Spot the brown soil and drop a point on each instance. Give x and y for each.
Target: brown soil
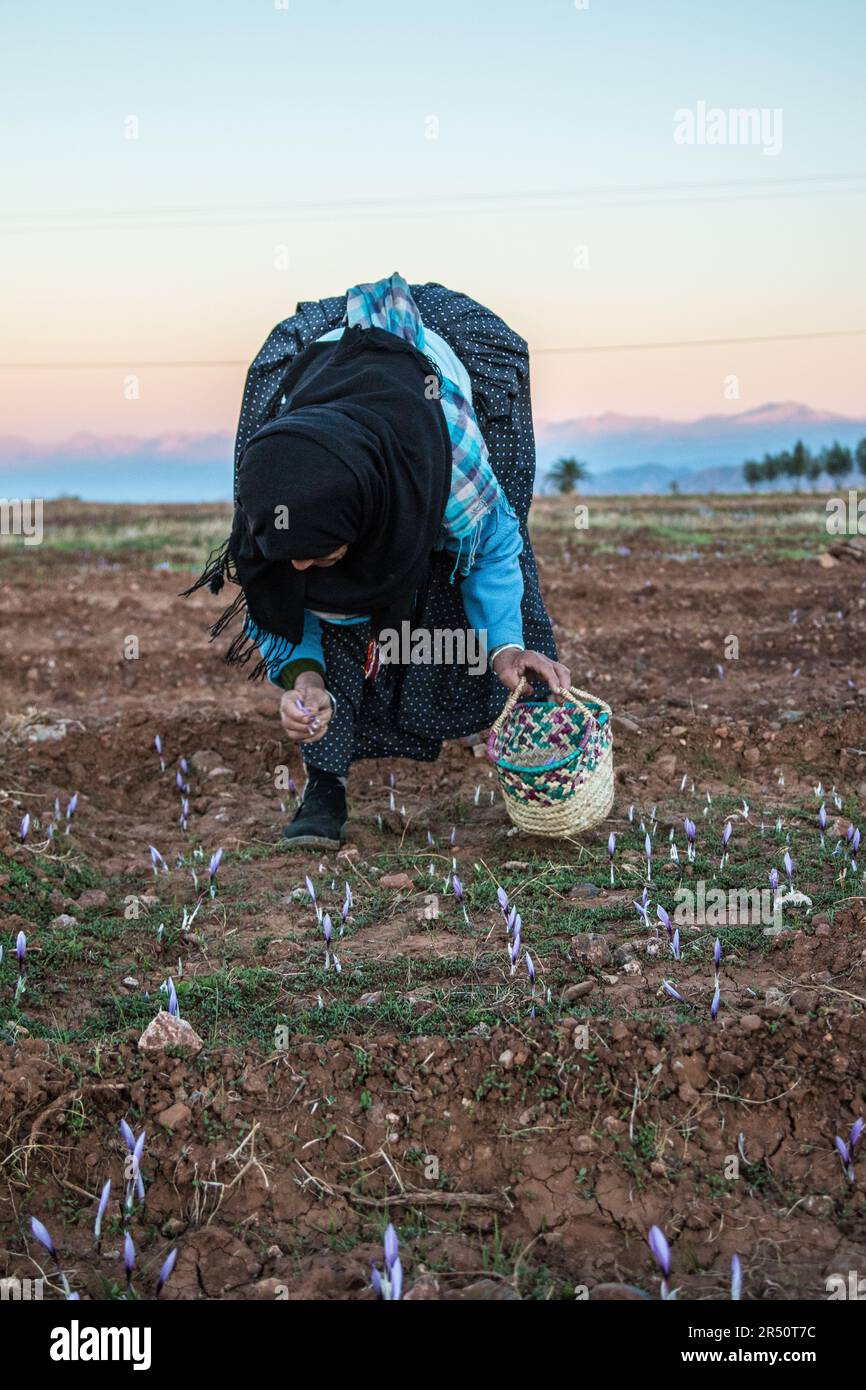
(552, 1153)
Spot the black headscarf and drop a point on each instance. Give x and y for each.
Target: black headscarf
(359, 455)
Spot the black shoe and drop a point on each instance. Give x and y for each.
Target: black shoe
(320, 818)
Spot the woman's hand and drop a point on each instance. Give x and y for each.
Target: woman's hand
(306, 711)
(512, 666)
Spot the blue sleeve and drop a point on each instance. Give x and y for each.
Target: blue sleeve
(309, 647)
(493, 589)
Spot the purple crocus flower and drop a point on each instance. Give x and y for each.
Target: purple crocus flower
(846, 1157)
(611, 851)
(172, 998)
(736, 1279)
(213, 867)
(530, 967)
(774, 880)
(675, 945)
(458, 888)
(156, 859)
(127, 1136)
(389, 1285)
(717, 953)
(128, 1255)
(856, 1131)
(661, 1250)
(24, 827)
(21, 947)
(643, 908)
(648, 850)
(327, 929)
(727, 833)
(789, 868)
(662, 1254)
(502, 898)
(665, 920)
(40, 1233)
(311, 889)
(168, 1265)
(717, 999)
(72, 806)
(672, 991)
(100, 1211)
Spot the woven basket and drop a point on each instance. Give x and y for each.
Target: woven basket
(555, 762)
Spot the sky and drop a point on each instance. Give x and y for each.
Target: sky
(176, 176)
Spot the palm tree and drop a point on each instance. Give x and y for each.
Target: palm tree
(567, 473)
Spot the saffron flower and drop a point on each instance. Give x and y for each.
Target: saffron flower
(789, 868)
(530, 968)
(40, 1233)
(717, 999)
(736, 1279)
(24, 827)
(21, 948)
(100, 1211)
(168, 1265)
(822, 822)
(156, 860)
(726, 836)
(648, 850)
(388, 1284)
(665, 920)
(460, 896)
(662, 1254)
(643, 908)
(213, 867)
(611, 850)
(128, 1255)
(675, 945)
(502, 898)
(672, 991)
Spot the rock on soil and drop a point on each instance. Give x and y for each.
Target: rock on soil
(167, 1031)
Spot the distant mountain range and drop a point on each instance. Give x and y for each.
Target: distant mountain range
(639, 453)
(625, 453)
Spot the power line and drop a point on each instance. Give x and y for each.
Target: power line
(130, 364)
(599, 195)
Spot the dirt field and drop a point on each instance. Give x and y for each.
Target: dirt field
(522, 1138)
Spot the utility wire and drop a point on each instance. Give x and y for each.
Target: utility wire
(600, 195)
(130, 364)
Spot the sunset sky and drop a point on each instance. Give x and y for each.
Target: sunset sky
(301, 134)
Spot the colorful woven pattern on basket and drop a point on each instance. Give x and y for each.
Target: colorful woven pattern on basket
(547, 749)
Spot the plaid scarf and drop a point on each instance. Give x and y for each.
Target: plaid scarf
(388, 304)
